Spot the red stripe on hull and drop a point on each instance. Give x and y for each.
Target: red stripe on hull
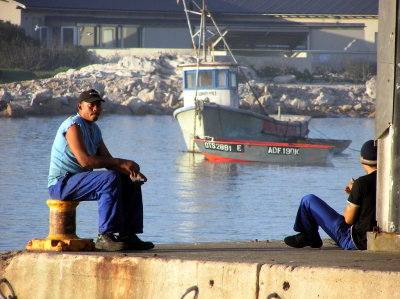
(265, 143)
(217, 159)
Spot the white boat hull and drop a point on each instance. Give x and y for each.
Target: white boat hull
(223, 122)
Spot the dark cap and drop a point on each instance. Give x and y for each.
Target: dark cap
(90, 96)
(369, 153)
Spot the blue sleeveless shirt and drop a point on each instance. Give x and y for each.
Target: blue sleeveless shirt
(62, 160)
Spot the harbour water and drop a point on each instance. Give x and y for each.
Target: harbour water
(187, 198)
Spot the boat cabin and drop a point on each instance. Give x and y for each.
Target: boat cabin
(212, 82)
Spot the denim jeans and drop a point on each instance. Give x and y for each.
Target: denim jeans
(314, 213)
(119, 200)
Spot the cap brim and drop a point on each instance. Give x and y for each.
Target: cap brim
(93, 99)
(368, 162)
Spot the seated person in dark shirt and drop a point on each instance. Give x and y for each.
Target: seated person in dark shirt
(350, 229)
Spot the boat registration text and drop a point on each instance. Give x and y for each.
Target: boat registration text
(279, 150)
(223, 147)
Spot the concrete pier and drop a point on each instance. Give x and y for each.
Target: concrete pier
(244, 270)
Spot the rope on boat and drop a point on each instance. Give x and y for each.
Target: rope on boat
(234, 59)
(2, 296)
(320, 132)
(326, 136)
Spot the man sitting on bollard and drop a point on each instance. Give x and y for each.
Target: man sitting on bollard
(350, 229)
(78, 148)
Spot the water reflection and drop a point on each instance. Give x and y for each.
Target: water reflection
(187, 198)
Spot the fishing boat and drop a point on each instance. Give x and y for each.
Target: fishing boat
(258, 151)
(211, 99)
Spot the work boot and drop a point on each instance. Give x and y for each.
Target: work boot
(108, 242)
(134, 243)
(302, 240)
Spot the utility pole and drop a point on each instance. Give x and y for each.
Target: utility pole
(387, 131)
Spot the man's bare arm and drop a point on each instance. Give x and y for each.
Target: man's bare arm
(102, 159)
(350, 213)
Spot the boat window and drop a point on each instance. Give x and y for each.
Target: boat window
(222, 79)
(205, 79)
(233, 79)
(190, 79)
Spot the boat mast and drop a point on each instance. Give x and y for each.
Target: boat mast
(191, 7)
(203, 29)
(203, 12)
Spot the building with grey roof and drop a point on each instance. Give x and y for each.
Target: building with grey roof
(304, 32)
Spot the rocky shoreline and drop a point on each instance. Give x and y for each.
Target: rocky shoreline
(152, 85)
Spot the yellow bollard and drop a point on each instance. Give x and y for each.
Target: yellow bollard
(62, 226)
(62, 219)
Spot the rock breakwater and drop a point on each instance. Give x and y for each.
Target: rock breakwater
(152, 85)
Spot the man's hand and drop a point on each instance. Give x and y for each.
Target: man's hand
(349, 186)
(140, 179)
(130, 167)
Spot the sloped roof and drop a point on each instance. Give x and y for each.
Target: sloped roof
(336, 7)
(280, 7)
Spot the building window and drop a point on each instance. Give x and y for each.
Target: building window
(42, 32)
(108, 37)
(130, 37)
(69, 37)
(87, 36)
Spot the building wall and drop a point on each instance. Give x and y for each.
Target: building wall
(172, 37)
(330, 41)
(320, 38)
(366, 36)
(9, 12)
(338, 39)
(30, 21)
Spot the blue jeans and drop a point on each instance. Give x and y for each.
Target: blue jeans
(119, 200)
(314, 213)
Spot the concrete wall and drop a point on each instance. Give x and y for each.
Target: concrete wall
(42, 275)
(302, 61)
(260, 62)
(309, 60)
(58, 275)
(142, 52)
(318, 282)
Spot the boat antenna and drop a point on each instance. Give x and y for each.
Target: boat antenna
(191, 7)
(204, 13)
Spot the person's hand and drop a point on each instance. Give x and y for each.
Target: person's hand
(139, 179)
(349, 186)
(131, 167)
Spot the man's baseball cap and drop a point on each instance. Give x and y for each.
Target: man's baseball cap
(90, 96)
(369, 153)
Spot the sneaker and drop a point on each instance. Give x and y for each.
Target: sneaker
(108, 242)
(302, 240)
(134, 243)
